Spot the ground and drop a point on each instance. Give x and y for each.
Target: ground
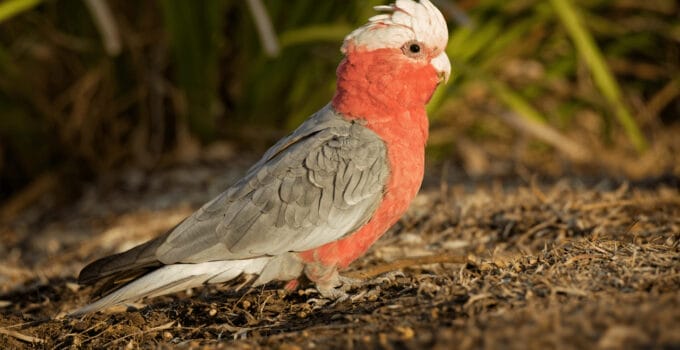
(499, 263)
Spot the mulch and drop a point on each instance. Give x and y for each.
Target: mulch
(489, 264)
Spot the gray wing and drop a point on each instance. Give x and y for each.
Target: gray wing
(313, 187)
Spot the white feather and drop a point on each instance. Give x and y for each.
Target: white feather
(174, 278)
(404, 21)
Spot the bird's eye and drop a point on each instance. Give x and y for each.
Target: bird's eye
(413, 49)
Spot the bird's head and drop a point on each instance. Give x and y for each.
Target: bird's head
(395, 60)
(414, 30)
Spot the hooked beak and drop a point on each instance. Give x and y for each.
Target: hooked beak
(442, 65)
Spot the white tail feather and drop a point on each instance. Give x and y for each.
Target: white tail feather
(174, 278)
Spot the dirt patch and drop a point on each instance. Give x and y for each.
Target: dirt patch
(558, 264)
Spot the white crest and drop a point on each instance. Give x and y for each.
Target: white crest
(403, 21)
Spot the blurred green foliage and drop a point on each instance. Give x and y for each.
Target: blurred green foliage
(193, 29)
(542, 67)
(13, 7)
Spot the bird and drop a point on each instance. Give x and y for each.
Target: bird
(319, 197)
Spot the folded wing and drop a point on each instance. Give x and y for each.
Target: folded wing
(313, 187)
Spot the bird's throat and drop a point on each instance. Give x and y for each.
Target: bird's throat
(381, 84)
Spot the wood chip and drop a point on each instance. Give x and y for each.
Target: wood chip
(22, 337)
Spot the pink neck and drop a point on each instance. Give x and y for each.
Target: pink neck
(383, 86)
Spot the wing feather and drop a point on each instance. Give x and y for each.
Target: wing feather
(317, 185)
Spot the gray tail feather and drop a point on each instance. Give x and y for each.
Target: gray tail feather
(141, 257)
(174, 278)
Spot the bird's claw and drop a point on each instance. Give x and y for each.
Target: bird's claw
(332, 286)
(337, 290)
(349, 283)
(338, 294)
(317, 302)
(328, 295)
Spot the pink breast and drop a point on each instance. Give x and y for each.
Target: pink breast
(388, 92)
(405, 151)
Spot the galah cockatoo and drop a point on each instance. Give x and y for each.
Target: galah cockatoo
(320, 197)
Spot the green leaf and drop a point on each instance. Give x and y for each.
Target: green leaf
(602, 75)
(11, 8)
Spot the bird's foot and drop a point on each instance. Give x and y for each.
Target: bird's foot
(338, 293)
(333, 287)
(337, 287)
(330, 284)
